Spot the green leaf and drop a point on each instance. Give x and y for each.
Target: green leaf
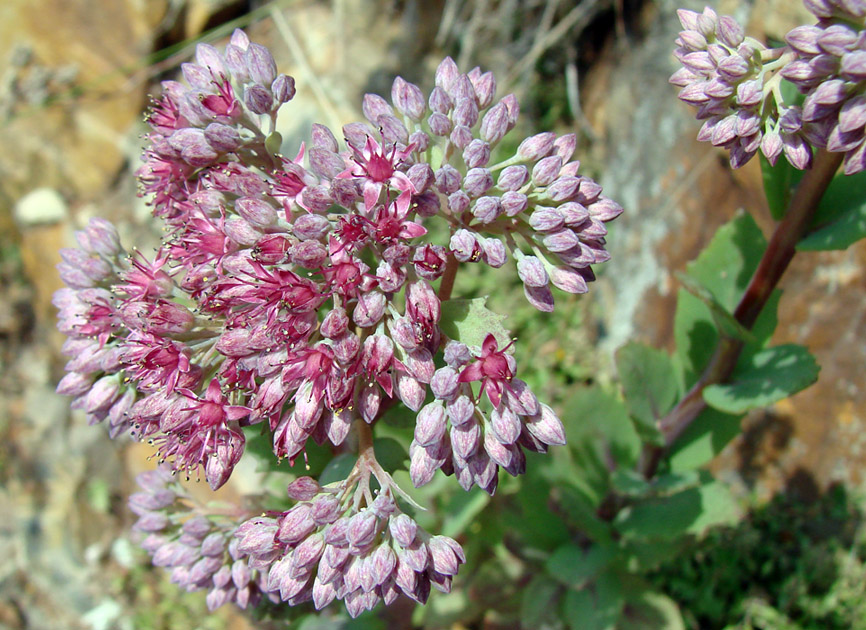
(705, 438)
(538, 599)
(779, 184)
(532, 519)
(573, 566)
(390, 454)
(728, 262)
(462, 510)
(367, 620)
(651, 611)
(672, 482)
(578, 610)
(598, 420)
(338, 468)
(692, 511)
(723, 318)
(597, 606)
(629, 482)
(649, 381)
(470, 321)
(772, 375)
(724, 269)
(581, 513)
(840, 220)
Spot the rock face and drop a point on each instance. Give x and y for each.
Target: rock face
(69, 92)
(677, 192)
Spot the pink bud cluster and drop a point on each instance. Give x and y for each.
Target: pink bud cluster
(200, 551)
(327, 547)
(733, 81)
(298, 295)
(455, 434)
(830, 70)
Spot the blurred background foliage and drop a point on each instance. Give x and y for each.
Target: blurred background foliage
(539, 556)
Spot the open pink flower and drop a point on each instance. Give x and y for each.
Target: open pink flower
(494, 368)
(376, 166)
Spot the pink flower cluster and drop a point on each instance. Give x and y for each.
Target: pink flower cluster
(734, 82)
(298, 295)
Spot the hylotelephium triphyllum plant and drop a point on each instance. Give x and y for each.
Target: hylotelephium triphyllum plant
(297, 294)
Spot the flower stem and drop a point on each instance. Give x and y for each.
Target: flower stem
(775, 261)
(447, 284)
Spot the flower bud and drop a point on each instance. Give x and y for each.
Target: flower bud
(568, 280)
(853, 65)
(421, 176)
(393, 130)
(460, 410)
(477, 182)
(261, 67)
(403, 529)
(102, 237)
(410, 391)
(485, 88)
(546, 427)
(541, 298)
(771, 146)
(837, 39)
(446, 74)
(532, 272)
(283, 88)
(461, 136)
(222, 138)
(546, 170)
(241, 232)
(465, 112)
(730, 32)
(444, 383)
(494, 252)
(258, 99)
(257, 212)
(513, 203)
(326, 163)
(505, 424)
(495, 123)
(103, 394)
(487, 209)
(476, 154)
(440, 124)
(296, 524)
(446, 556)
(458, 202)
(336, 323)
(546, 219)
(561, 240)
(192, 146)
(373, 106)
(536, 147)
(513, 178)
(420, 140)
(408, 99)
(369, 309)
(311, 227)
(309, 254)
(430, 424)
(447, 179)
